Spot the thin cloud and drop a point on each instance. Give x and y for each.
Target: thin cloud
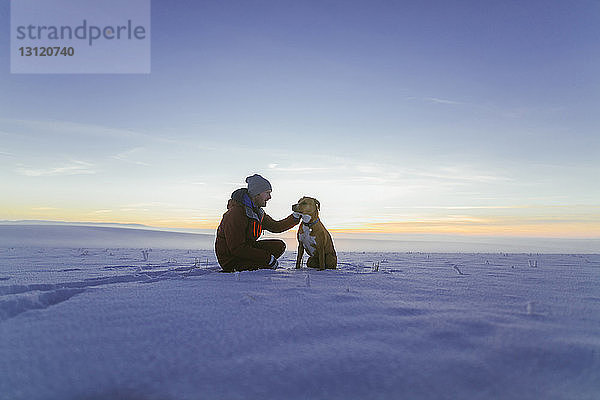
(146, 205)
(442, 101)
(456, 207)
(69, 127)
(75, 168)
(126, 156)
(297, 169)
(393, 174)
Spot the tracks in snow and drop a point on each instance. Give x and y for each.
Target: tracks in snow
(17, 299)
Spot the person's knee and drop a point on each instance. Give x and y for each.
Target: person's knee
(280, 249)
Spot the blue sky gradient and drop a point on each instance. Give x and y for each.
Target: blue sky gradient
(422, 117)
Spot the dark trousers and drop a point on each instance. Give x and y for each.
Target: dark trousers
(275, 247)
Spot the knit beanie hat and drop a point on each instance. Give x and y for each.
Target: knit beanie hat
(257, 184)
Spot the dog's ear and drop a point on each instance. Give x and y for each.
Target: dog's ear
(318, 205)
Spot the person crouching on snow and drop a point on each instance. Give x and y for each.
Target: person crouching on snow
(237, 245)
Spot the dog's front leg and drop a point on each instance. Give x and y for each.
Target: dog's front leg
(322, 264)
(300, 254)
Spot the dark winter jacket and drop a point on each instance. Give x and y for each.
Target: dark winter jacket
(241, 226)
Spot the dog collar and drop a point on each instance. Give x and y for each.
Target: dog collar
(310, 224)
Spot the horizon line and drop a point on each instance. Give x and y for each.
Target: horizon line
(342, 231)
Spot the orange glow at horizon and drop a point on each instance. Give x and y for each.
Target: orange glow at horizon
(566, 226)
(555, 230)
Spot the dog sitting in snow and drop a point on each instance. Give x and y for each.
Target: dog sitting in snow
(313, 237)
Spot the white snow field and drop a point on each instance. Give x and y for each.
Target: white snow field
(118, 323)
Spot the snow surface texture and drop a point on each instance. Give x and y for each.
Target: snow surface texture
(165, 324)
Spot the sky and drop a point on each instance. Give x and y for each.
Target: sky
(428, 117)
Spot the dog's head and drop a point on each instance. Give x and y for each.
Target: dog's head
(307, 205)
